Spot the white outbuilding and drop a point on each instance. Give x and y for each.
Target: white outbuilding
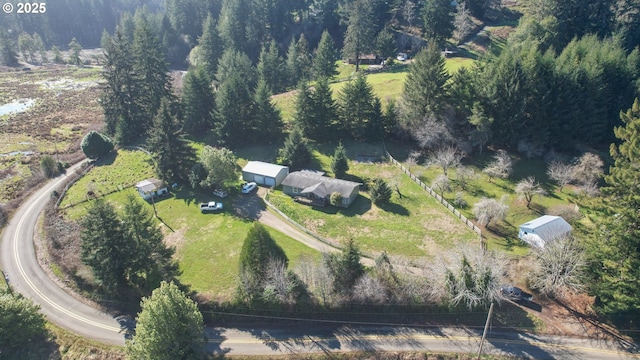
(263, 173)
(543, 229)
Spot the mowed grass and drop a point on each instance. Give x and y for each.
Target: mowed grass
(412, 226)
(207, 245)
(118, 170)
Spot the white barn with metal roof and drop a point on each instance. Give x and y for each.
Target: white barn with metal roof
(546, 228)
(263, 173)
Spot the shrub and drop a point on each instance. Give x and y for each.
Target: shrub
(50, 167)
(95, 145)
(335, 199)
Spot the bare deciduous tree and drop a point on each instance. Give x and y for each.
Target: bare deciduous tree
(486, 210)
(588, 168)
(561, 173)
(528, 188)
(446, 158)
(316, 276)
(463, 24)
(369, 290)
(500, 167)
(465, 174)
(559, 267)
(432, 133)
(408, 12)
(441, 184)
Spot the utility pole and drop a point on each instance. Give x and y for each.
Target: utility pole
(484, 333)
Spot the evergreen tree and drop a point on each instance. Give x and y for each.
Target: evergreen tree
(616, 272)
(324, 61)
(293, 68)
(95, 145)
(295, 153)
(105, 246)
(57, 56)
(271, 68)
(211, 46)
(304, 112)
(232, 24)
(267, 122)
(426, 87)
(339, 162)
(153, 261)
(258, 250)
(21, 325)
(380, 192)
(345, 268)
(358, 110)
(437, 20)
(74, 57)
(151, 68)
(8, 56)
(386, 44)
(38, 45)
(323, 124)
(25, 44)
(359, 38)
(172, 154)
(298, 61)
(122, 94)
(169, 326)
(198, 102)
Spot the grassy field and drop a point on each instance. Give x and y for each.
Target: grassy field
(208, 245)
(413, 226)
(503, 234)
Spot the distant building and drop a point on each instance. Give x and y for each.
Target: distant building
(318, 189)
(543, 229)
(263, 173)
(151, 188)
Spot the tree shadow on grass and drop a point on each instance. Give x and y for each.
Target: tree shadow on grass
(107, 160)
(359, 206)
(395, 208)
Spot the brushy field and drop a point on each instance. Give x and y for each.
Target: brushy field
(65, 107)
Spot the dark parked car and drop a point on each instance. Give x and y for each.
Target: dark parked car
(514, 293)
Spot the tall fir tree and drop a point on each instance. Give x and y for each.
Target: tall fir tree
(122, 95)
(324, 112)
(295, 153)
(359, 39)
(426, 89)
(267, 122)
(324, 60)
(304, 111)
(172, 154)
(437, 18)
(340, 162)
(358, 111)
(271, 68)
(8, 56)
(211, 46)
(616, 270)
(198, 102)
(151, 68)
(232, 24)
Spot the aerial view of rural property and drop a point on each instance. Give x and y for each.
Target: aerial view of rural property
(320, 179)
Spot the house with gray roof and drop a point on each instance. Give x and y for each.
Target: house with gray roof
(318, 189)
(151, 188)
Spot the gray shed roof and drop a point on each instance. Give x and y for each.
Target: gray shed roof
(306, 180)
(263, 168)
(150, 185)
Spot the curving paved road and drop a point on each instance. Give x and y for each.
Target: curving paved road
(18, 260)
(19, 263)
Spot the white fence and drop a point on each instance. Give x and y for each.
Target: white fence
(439, 198)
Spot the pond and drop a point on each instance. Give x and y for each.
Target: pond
(16, 106)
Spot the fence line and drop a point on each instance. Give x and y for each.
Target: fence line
(78, 176)
(437, 196)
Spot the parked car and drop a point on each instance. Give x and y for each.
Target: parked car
(220, 193)
(249, 187)
(514, 293)
(210, 206)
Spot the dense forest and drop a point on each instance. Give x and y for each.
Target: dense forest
(559, 82)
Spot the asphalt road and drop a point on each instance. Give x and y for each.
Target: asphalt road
(18, 261)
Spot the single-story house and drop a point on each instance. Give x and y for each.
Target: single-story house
(318, 188)
(263, 173)
(543, 229)
(151, 188)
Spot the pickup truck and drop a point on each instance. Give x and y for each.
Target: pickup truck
(210, 206)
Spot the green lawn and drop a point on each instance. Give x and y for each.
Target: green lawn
(208, 245)
(118, 170)
(413, 226)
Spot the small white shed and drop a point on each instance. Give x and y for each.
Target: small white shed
(263, 173)
(543, 229)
